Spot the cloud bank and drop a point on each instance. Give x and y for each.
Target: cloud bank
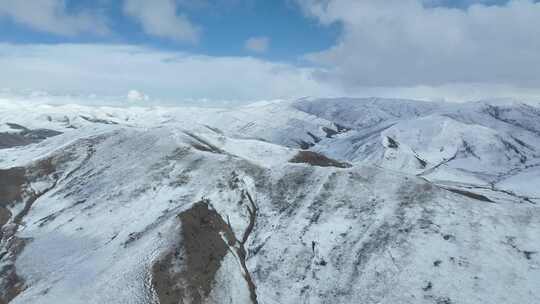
(117, 69)
(114, 70)
(409, 43)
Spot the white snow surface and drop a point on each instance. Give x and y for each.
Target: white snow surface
(440, 205)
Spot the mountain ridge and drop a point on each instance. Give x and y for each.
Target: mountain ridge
(338, 202)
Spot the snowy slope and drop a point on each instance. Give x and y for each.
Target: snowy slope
(479, 142)
(189, 205)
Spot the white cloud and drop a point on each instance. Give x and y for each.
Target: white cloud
(137, 96)
(404, 43)
(257, 44)
(51, 16)
(114, 70)
(159, 18)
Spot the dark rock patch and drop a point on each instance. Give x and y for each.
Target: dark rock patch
(469, 194)
(448, 237)
(199, 258)
(316, 139)
(528, 254)
(341, 128)
(304, 145)
(16, 126)
(24, 137)
(203, 148)
(11, 284)
(428, 287)
(443, 300)
(317, 159)
(9, 140)
(423, 163)
(11, 185)
(186, 273)
(13, 190)
(522, 143)
(468, 150)
(392, 143)
(330, 133)
(41, 134)
(203, 145)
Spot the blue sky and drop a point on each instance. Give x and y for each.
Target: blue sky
(225, 26)
(246, 50)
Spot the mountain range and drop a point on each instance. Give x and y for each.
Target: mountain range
(307, 201)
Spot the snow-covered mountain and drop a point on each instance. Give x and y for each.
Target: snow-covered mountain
(307, 201)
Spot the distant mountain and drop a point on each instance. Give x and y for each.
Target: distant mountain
(307, 201)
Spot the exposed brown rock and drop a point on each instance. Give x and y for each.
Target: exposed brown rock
(317, 159)
(186, 275)
(13, 190)
(11, 185)
(10, 283)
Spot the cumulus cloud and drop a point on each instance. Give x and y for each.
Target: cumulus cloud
(137, 96)
(159, 18)
(51, 16)
(257, 44)
(113, 70)
(406, 43)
